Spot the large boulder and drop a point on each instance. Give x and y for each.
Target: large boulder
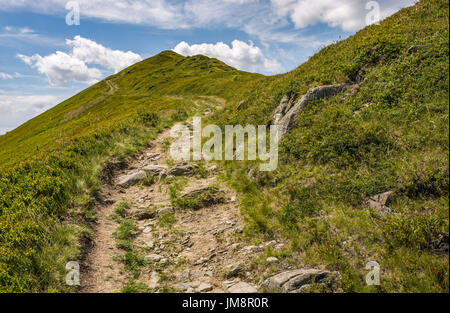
(153, 257)
(290, 281)
(107, 173)
(285, 105)
(182, 287)
(286, 113)
(204, 287)
(154, 280)
(131, 179)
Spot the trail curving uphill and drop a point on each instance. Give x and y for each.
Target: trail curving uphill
(190, 253)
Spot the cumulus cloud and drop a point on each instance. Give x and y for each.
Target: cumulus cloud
(240, 55)
(89, 51)
(61, 67)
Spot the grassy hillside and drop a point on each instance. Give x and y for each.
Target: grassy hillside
(146, 86)
(389, 133)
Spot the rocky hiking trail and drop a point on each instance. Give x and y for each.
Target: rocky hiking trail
(191, 240)
(188, 242)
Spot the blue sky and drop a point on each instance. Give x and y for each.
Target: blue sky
(43, 60)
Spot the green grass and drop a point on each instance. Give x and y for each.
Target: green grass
(194, 202)
(134, 287)
(126, 230)
(120, 210)
(334, 157)
(167, 219)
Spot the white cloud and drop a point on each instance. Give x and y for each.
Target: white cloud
(240, 55)
(17, 109)
(349, 15)
(35, 103)
(5, 76)
(89, 51)
(24, 34)
(18, 30)
(161, 13)
(177, 14)
(61, 67)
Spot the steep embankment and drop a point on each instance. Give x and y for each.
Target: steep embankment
(362, 176)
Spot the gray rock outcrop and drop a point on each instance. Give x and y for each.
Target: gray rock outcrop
(293, 280)
(182, 170)
(440, 244)
(286, 113)
(154, 170)
(131, 179)
(233, 270)
(379, 203)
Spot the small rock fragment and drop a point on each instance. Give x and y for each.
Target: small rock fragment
(242, 287)
(154, 280)
(233, 270)
(153, 257)
(204, 287)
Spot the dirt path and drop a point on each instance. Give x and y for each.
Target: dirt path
(196, 250)
(104, 272)
(77, 112)
(112, 87)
